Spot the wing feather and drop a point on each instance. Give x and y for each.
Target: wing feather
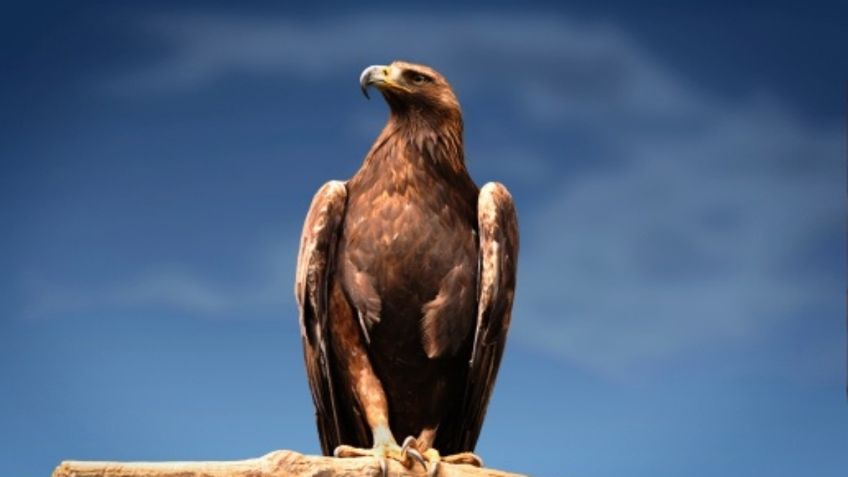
(314, 269)
(498, 235)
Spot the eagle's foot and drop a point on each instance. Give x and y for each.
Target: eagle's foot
(430, 458)
(385, 447)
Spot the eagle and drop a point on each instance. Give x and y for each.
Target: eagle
(405, 281)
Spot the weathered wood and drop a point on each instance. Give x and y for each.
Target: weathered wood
(275, 464)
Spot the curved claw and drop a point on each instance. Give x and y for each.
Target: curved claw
(410, 448)
(418, 457)
(430, 458)
(345, 451)
(407, 443)
(433, 470)
(469, 458)
(384, 466)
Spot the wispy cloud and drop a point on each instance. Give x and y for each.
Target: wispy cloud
(173, 287)
(687, 241)
(684, 234)
(203, 48)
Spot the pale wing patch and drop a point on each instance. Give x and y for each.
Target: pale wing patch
(317, 244)
(496, 222)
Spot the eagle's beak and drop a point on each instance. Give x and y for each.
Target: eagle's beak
(379, 76)
(373, 75)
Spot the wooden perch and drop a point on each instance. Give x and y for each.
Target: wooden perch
(281, 463)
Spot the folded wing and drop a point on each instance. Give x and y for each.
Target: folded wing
(315, 263)
(498, 235)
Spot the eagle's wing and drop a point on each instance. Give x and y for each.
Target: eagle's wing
(314, 271)
(498, 229)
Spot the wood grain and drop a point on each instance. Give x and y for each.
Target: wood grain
(275, 464)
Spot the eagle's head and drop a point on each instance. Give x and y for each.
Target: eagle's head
(411, 88)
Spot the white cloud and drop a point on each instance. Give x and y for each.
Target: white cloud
(683, 245)
(175, 287)
(502, 50)
(676, 245)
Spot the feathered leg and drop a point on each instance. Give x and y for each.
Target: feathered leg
(367, 389)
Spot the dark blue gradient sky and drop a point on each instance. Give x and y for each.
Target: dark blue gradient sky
(679, 173)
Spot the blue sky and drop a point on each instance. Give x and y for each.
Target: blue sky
(679, 173)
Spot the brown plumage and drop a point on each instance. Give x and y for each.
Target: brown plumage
(405, 281)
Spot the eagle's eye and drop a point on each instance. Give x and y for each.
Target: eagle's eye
(419, 79)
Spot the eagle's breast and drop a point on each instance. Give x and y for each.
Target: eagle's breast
(408, 253)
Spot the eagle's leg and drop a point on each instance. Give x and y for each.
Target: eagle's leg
(423, 451)
(348, 344)
(384, 444)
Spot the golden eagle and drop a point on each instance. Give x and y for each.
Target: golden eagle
(405, 283)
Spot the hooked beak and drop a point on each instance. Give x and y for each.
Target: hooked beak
(378, 76)
(373, 75)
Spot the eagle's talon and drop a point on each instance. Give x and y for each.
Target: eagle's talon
(384, 466)
(382, 452)
(429, 459)
(407, 443)
(434, 459)
(418, 457)
(468, 458)
(343, 451)
(410, 448)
